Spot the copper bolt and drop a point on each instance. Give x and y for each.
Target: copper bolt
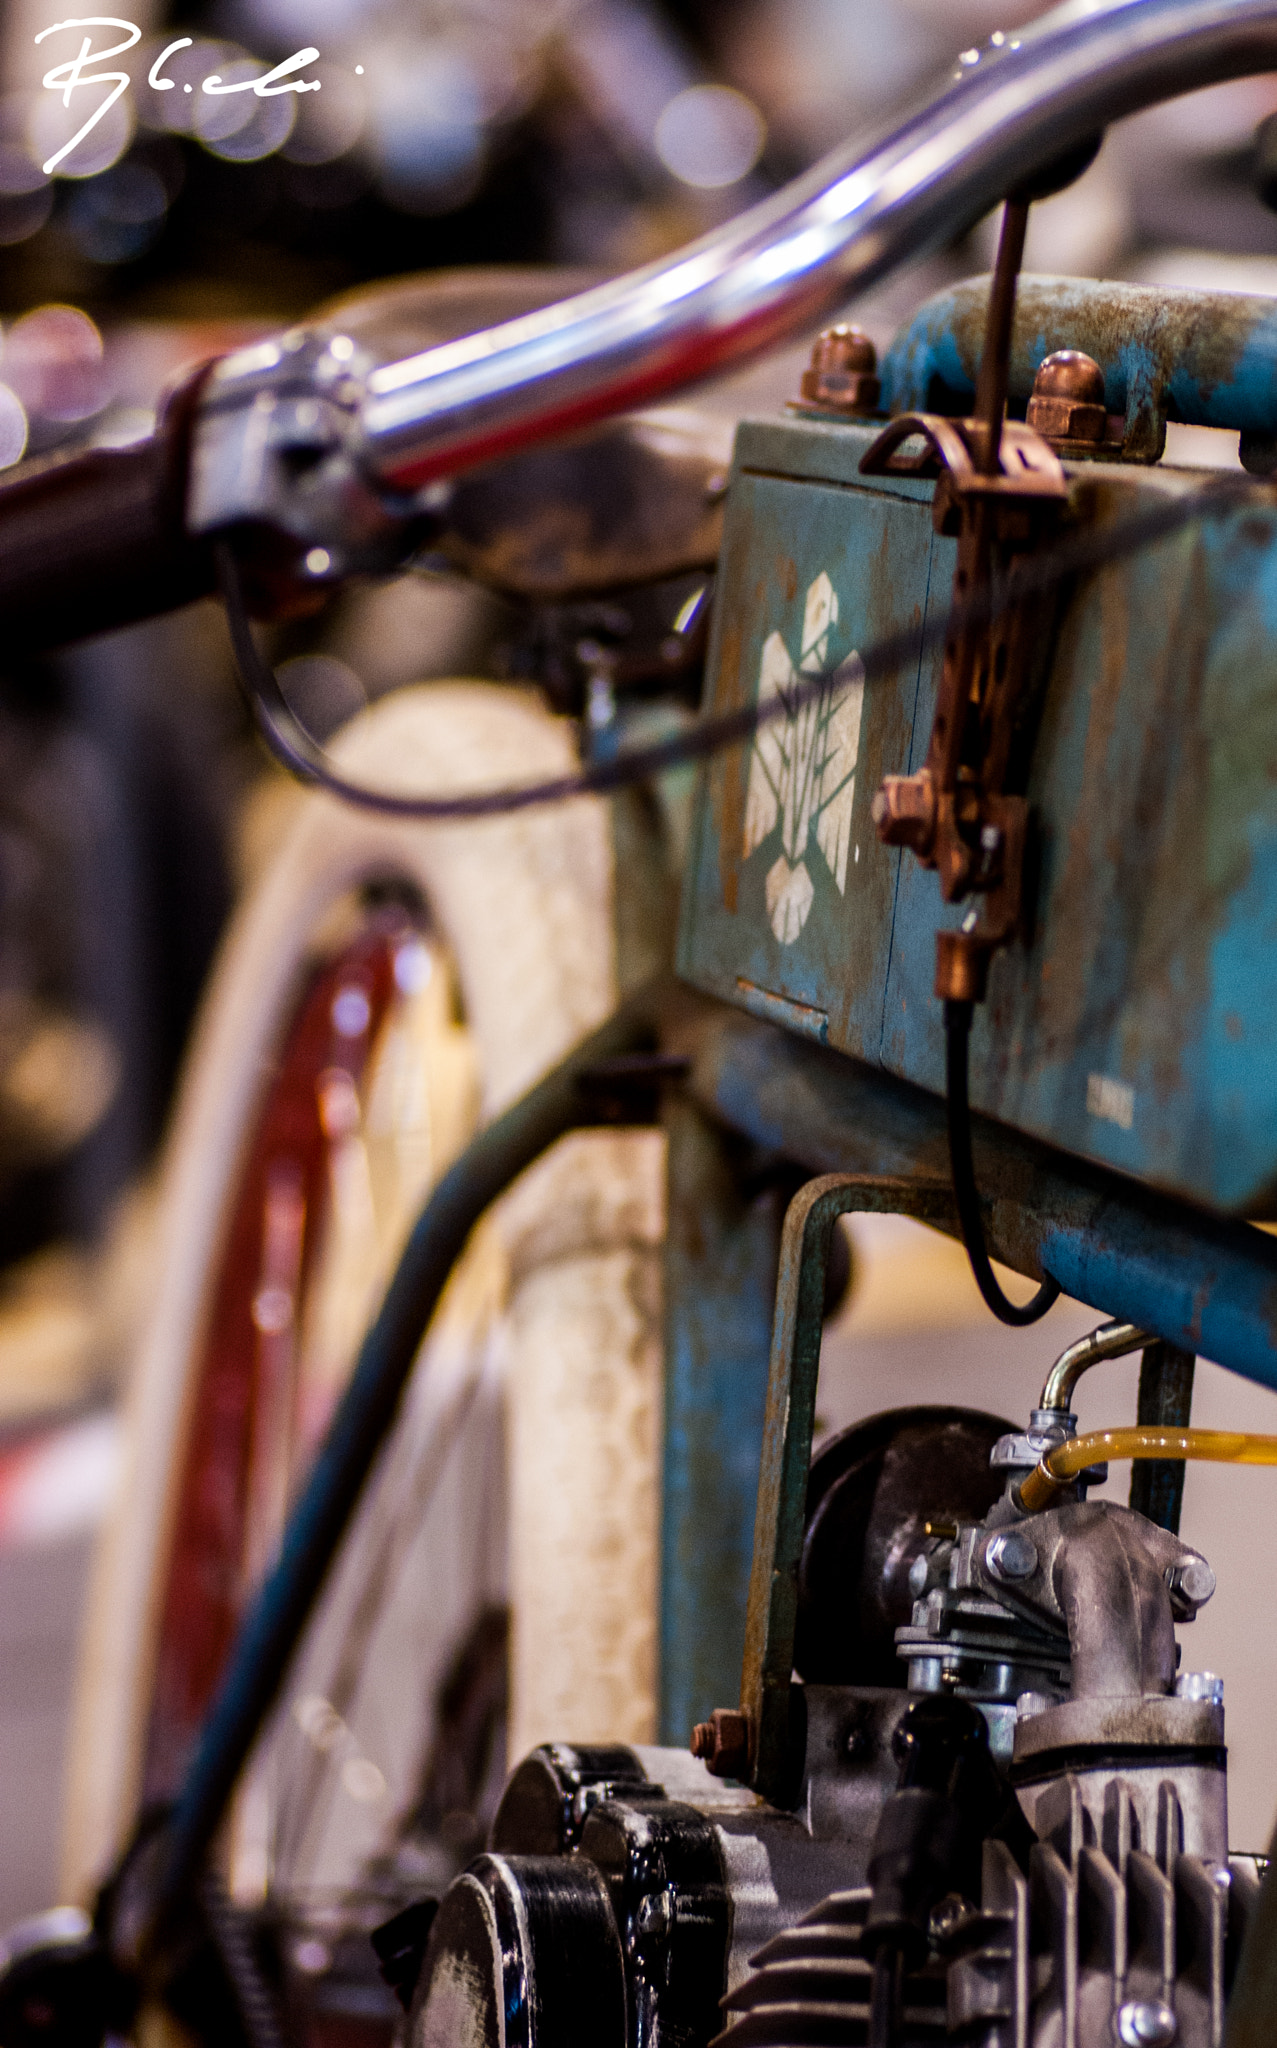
(842, 375)
(1067, 406)
(962, 967)
(722, 1743)
(904, 811)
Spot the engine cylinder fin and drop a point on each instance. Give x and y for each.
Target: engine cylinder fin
(1101, 1937)
(810, 1986)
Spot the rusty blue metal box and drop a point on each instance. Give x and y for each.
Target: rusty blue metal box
(1137, 1025)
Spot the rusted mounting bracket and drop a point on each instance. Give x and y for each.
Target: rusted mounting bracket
(1028, 467)
(999, 487)
(955, 813)
(772, 1613)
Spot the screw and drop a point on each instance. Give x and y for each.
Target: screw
(1012, 1555)
(1146, 2023)
(918, 1576)
(1191, 1581)
(722, 1743)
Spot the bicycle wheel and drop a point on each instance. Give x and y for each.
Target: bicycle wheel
(384, 986)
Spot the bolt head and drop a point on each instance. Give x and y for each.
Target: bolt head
(842, 376)
(918, 1576)
(844, 348)
(904, 811)
(1146, 2023)
(1012, 1554)
(1191, 1581)
(722, 1743)
(1200, 1685)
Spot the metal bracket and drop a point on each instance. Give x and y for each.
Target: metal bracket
(1000, 485)
(771, 1617)
(954, 812)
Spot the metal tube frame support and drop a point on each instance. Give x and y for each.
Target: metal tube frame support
(1200, 1281)
(721, 1253)
(772, 1613)
(272, 1628)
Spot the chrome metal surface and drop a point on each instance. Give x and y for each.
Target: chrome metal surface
(860, 213)
(391, 428)
(1111, 1340)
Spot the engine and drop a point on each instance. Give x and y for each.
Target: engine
(1006, 1821)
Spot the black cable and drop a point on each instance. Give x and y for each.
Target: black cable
(957, 1043)
(293, 747)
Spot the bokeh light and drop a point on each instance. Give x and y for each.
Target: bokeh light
(329, 122)
(51, 126)
(427, 117)
(238, 125)
(53, 360)
(710, 136)
(13, 427)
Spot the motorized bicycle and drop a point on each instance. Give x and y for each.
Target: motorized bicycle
(933, 651)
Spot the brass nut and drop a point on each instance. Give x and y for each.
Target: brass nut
(1068, 400)
(962, 968)
(722, 1743)
(842, 375)
(904, 811)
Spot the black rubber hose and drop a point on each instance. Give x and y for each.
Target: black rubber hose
(271, 1629)
(957, 1034)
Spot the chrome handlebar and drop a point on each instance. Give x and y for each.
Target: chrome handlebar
(377, 434)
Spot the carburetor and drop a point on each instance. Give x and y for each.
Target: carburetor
(1024, 1844)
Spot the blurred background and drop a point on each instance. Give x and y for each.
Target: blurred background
(592, 134)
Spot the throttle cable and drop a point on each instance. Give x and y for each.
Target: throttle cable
(294, 748)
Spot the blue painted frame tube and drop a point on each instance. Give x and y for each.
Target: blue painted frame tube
(721, 1251)
(1203, 1282)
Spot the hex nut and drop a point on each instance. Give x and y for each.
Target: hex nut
(842, 375)
(904, 811)
(1012, 1554)
(722, 1743)
(1190, 1582)
(1068, 400)
(1200, 1685)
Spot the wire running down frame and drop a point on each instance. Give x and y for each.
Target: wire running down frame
(957, 1039)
